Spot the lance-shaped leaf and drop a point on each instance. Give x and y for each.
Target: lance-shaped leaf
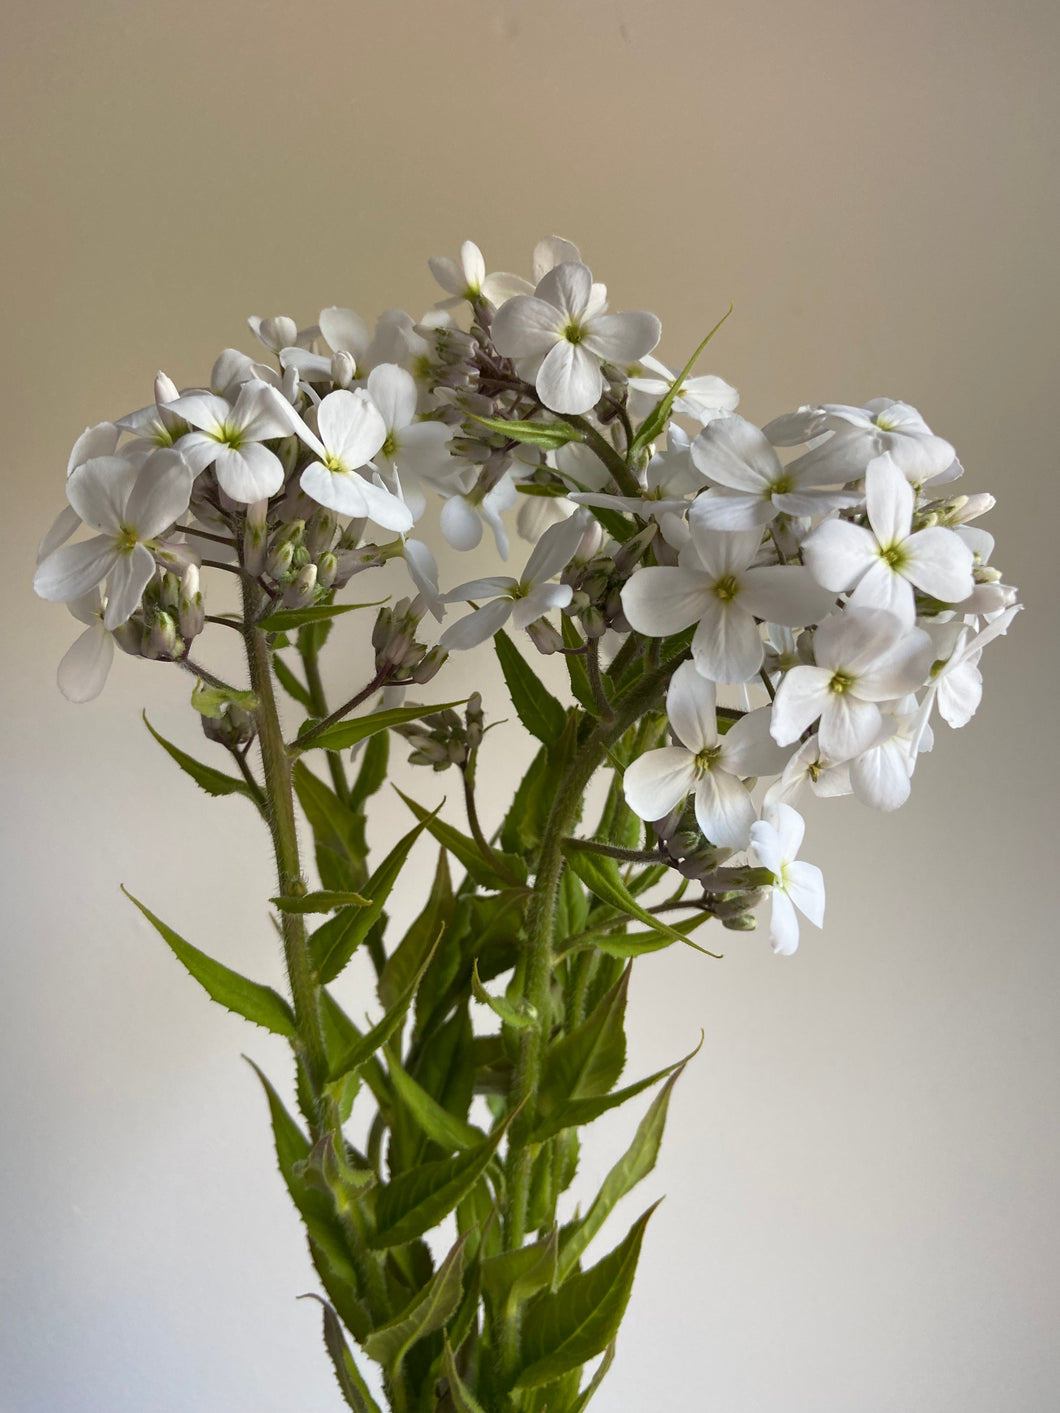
(596, 1380)
(499, 1005)
(364, 1048)
(447, 1130)
(515, 1276)
(333, 951)
(214, 782)
(545, 434)
(587, 1062)
(322, 901)
(562, 1331)
(657, 419)
(290, 683)
(415, 1202)
(634, 1165)
(461, 1397)
(411, 953)
(347, 733)
(524, 824)
(577, 1112)
(372, 775)
(284, 620)
(537, 709)
(484, 870)
(601, 875)
(351, 1382)
(632, 944)
(427, 1312)
(237, 993)
(576, 670)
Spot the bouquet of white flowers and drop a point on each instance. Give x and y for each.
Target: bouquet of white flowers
(742, 613)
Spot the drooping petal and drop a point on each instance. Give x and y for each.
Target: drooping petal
(128, 579)
(477, 626)
(881, 777)
(423, 571)
(783, 925)
(656, 782)
(691, 708)
(569, 379)
(727, 646)
(73, 570)
(849, 725)
(84, 667)
(664, 599)
(959, 693)
(459, 524)
(724, 809)
(249, 474)
(805, 888)
(65, 524)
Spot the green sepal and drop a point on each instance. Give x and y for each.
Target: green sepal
(448, 1130)
(585, 1063)
(549, 435)
(658, 417)
(601, 876)
(214, 782)
(509, 1014)
(562, 1331)
(634, 1165)
(348, 733)
(363, 1049)
(415, 1202)
(249, 999)
(538, 710)
(283, 620)
(513, 1277)
(210, 701)
(461, 1397)
(290, 683)
(331, 954)
(321, 901)
(427, 1311)
(467, 852)
(352, 1384)
(575, 664)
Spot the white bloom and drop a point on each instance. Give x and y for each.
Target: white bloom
(100, 440)
(560, 334)
(230, 436)
(704, 397)
(881, 776)
(886, 562)
(714, 766)
(275, 332)
(464, 513)
(714, 584)
(155, 425)
(130, 506)
(412, 452)
(863, 656)
(351, 430)
(956, 683)
(808, 767)
(860, 434)
(668, 479)
(522, 600)
(85, 664)
(751, 484)
(799, 885)
(423, 571)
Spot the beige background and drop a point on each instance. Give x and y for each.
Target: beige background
(861, 1165)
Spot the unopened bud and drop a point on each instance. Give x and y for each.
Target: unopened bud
(429, 665)
(300, 592)
(327, 568)
(594, 625)
(192, 613)
(285, 542)
(234, 727)
(129, 636)
(343, 368)
(974, 506)
(169, 594)
(545, 638)
(255, 533)
(161, 640)
(629, 555)
(276, 332)
(320, 531)
(475, 719)
(740, 922)
(351, 562)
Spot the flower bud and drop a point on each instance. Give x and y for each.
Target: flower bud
(234, 727)
(285, 542)
(475, 718)
(343, 368)
(545, 638)
(129, 636)
(740, 922)
(429, 665)
(327, 568)
(300, 593)
(192, 613)
(629, 555)
(255, 533)
(161, 640)
(276, 332)
(320, 531)
(169, 594)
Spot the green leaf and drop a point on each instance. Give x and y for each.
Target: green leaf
(214, 782)
(545, 434)
(524, 824)
(328, 960)
(354, 1389)
(562, 1331)
(461, 1397)
(601, 875)
(634, 1165)
(410, 956)
(427, 1312)
(575, 663)
(285, 619)
(467, 852)
(364, 1048)
(447, 1130)
(513, 1277)
(290, 683)
(597, 1379)
(372, 775)
(656, 420)
(538, 710)
(336, 830)
(246, 998)
(508, 1013)
(630, 944)
(322, 901)
(415, 1202)
(585, 1063)
(348, 733)
(209, 701)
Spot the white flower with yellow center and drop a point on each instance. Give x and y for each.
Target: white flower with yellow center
(775, 842)
(351, 430)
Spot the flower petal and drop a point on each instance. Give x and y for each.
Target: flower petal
(783, 925)
(476, 627)
(622, 338)
(99, 490)
(784, 594)
(838, 553)
(526, 327)
(72, 570)
(805, 888)
(664, 599)
(567, 287)
(727, 646)
(161, 494)
(345, 331)
(569, 379)
(889, 500)
(733, 452)
(84, 667)
(249, 474)
(126, 584)
(724, 809)
(691, 708)
(393, 390)
(940, 563)
(656, 782)
(351, 427)
(801, 697)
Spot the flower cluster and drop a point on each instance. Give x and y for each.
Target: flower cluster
(821, 566)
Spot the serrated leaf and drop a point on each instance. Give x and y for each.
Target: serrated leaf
(411, 954)
(524, 824)
(461, 1397)
(562, 1331)
(214, 782)
(209, 701)
(284, 620)
(449, 1131)
(624, 945)
(322, 901)
(586, 1062)
(415, 1202)
(634, 1165)
(508, 1013)
(656, 420)
(427, 1312)
(601, 876)
(354, 1389)
(290, 683)
(249, 999)
(330, 956)
(467, 852)
(364, 1048)
(348, 733)
(544, 434)
(538, 710)
(513, 1277)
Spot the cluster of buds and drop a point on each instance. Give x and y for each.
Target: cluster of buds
(398, 656)
(169, 617)
(597, 584)
(729, 894)
(444, 739)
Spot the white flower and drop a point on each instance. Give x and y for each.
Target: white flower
(230, 436)
(704, 397)
(882, 776)
(351, 430)
(799, 885)
(155, 425)
(863, 656)
(752, 485)
(522, 600)
(466, 278)
(464, 513)
(85, 664)
(130, 506)
(714, 766)
(412, 452)
(860, 434)
(808, 767)
(100, 440)
(886, 562)
(562, 333)
(423, 571)
(956, 683)
(668, 481)
(714, 584)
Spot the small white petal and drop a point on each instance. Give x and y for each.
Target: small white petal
(569, 379)
(477, 627)
(662, 599)
(126, 584)
(657, 782)
(691, 708)
(249, 474)
(805, 888)
(724, 810)
(783, 925)
(84, 667)
(727, 646)
(73, 570)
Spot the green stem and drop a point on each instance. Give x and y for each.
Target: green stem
(624, 477)
(319, 707)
